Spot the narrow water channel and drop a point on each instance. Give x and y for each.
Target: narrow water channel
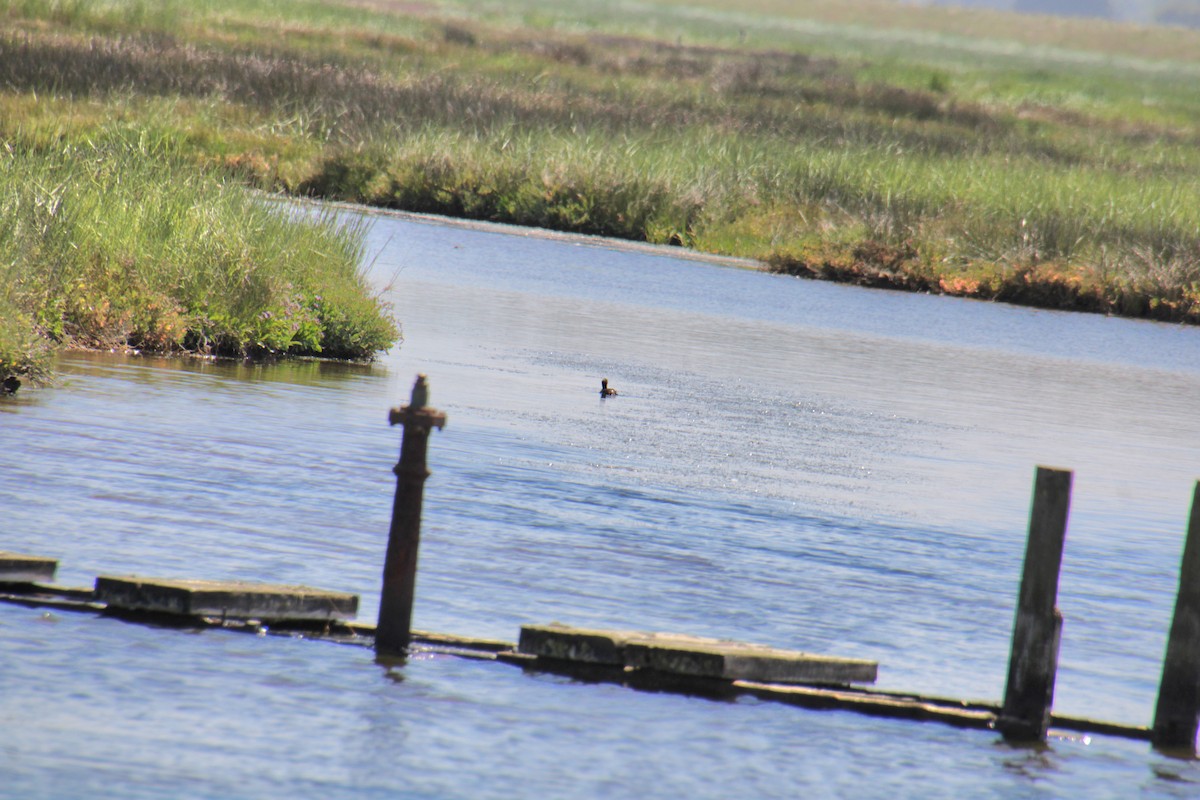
(788, 462)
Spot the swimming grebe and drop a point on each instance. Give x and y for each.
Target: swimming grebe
(604, 390)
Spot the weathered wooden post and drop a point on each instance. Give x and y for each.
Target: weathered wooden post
(1037, 629)
(1178, 713)
(392, 633)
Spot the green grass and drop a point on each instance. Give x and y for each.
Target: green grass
(966, 152)
(119, 244)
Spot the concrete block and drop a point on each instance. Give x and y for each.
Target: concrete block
(17, 568)
(225, 599)
(574, 644)
(740, 661)
(696, 656)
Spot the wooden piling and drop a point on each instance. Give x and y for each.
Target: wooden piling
(1177, 715)
(1037, 628)
(393, 632)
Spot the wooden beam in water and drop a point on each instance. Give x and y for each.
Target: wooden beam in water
(1037, 628)
(872, 703)
(1177, 714)
(1139, 733)
(393, 629)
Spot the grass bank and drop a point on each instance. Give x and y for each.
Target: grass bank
(1020, 159)
(119, 244)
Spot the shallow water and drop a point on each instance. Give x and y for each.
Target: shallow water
(789, 462)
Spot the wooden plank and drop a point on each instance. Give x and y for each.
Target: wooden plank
(224, 599)
(880, 705)
(44, 600)
(461, 642)
(692, 655)
(1085, 725)
(18, 568)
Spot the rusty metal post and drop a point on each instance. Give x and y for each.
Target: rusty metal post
(392, 633)
(1177, 715)
(1037, 629)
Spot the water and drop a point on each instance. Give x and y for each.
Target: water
(789, 462)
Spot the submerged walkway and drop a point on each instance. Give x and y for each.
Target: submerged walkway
(711, 668)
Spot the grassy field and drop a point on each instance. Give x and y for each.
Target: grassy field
(1031, 160)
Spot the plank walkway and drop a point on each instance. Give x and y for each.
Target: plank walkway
(958, 713)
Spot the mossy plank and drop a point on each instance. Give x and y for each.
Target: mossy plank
(18, 568)
(698, 656)
(225, 599)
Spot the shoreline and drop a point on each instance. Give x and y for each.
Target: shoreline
(512, 229)
(860, 274)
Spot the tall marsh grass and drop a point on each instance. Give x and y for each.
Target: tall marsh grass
(121, 245)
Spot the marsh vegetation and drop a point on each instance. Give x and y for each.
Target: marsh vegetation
(967, 153)
(118, 244)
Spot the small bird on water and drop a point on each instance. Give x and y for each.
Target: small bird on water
(605, 391)
(11, 384)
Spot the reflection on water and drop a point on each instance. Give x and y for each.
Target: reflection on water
(788, 462)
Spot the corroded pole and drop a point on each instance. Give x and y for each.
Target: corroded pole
(392, 633)
(1178, 713)
(1037, 629)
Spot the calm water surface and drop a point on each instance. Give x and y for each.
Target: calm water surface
(789, 462)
